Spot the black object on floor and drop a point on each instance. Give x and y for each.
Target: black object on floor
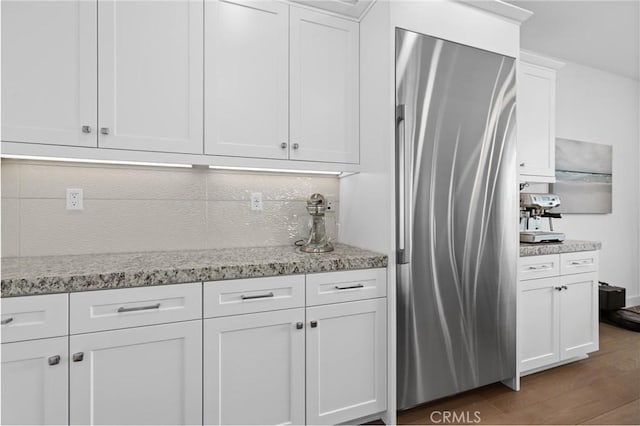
(628, 318)
(611, 297)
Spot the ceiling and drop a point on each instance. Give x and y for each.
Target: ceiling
(603, 34)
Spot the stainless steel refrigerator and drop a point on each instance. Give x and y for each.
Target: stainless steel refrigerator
(457, 217)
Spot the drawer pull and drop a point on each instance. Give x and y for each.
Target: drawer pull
(314, 324)
(580, 262)
(539, 268)
(78, 356)
(6, 321)
(54, 360)
(138, 308)
(564, 287)
(299, 325)
(349, 287)
(558, 288)
(257, 296)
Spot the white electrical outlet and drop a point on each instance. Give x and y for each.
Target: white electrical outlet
(256, 201)
(331, 203)
(74, 199)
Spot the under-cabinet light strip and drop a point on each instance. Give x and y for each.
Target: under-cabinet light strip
(78, 160)
(142, 163)
(261, 169)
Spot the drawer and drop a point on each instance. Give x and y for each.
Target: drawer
(579, 262)
(532, 267)
(234, 297)
(34, 317)
(132, 307)
(345, 286)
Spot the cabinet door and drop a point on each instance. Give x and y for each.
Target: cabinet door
(254, 369)
(536, 121)
(578, 314)
(247, 78)
(346, 361)
(539, 322)
(35, 382)
(150, 75)
(144, 375)
(324, 88)
(49, 76)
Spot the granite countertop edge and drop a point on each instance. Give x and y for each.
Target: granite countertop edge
(567, 246)
(32, 283)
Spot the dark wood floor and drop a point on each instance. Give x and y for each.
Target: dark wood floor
(604, 389)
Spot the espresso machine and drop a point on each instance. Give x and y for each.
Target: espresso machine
(318, 242)
(533, 208)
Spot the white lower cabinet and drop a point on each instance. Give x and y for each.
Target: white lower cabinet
(346, 361)
(321, 364)
(578, 314)
(558, 315)
(35, 382)
(254, 370)
(142, 375)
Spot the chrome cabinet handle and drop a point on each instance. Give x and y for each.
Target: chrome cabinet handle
(558, 288)
(138, 308)
(86, 129)
(299, 325)
(283, 145)
(314, 324)
(6, 321)
(104, 130)
(295, 146)
(257, 296)
(54, 360)
(538, 268)
(521, 164)
(349, 287)
(78, 356)
(579, 262)
(564, 287)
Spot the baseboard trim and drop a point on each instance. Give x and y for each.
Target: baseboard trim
(557, 364)
(633, 300)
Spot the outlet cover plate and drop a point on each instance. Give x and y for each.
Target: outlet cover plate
(75, 199)
(256, 201)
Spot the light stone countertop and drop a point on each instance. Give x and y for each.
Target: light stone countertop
(567, 246)
(23, 276)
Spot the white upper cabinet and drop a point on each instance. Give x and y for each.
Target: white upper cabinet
(246, 68)
(324, 87)
(49, 72)
(150, 75)
(536, 118)
(281, 82)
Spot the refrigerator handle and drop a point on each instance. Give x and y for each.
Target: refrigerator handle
(402, 224)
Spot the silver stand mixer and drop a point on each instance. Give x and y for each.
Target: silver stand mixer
(317, 241)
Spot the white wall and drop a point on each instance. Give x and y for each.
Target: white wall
(596, 106)
(150, 208)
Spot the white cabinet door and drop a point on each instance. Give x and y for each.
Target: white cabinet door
(536, 122)
(49, 76)
(35, 382)
(254, 369)
(346, 361)
(539, 322)
(150, 75)
(324, 88)
(578, 314)
(247, 78)
(144, 375)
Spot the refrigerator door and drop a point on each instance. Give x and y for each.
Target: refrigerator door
(457, 213)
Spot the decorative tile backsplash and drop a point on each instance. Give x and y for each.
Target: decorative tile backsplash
(135, 208)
